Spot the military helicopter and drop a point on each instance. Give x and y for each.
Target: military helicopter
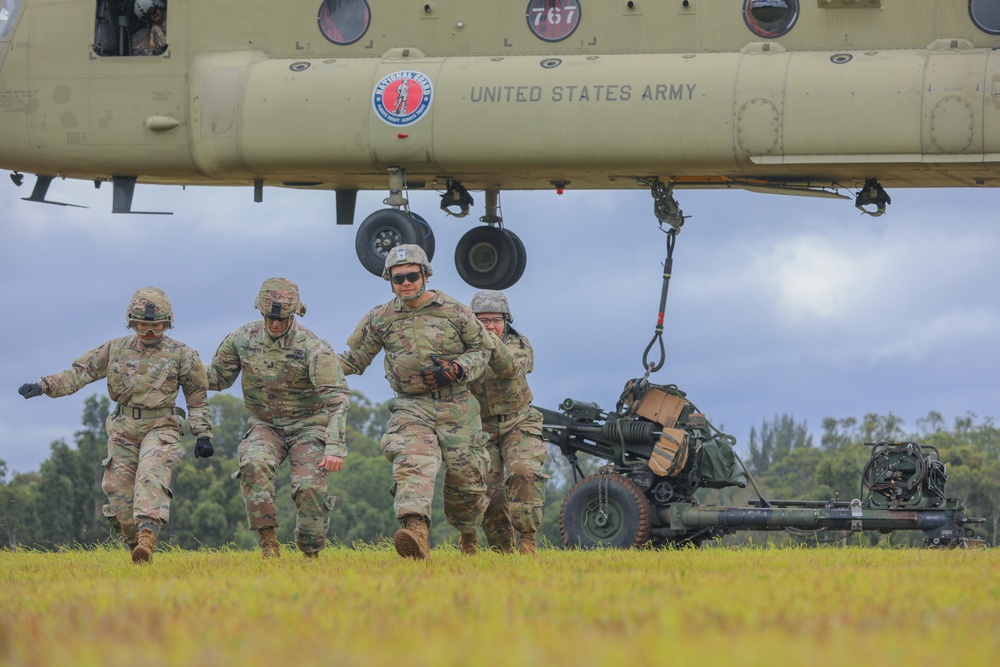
(805, 97)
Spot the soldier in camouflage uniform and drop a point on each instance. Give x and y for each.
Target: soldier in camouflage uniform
(514, 429)
(150, 40)
(145, 371)
(433, 347)
(297, 398)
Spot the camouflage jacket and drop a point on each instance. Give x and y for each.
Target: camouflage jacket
(142, 377)
(503, 388)
(291, 383)
(443, 327)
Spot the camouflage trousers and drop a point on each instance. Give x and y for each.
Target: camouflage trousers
(423, 432)
(517, 496)
(261, 451)
(142, 455)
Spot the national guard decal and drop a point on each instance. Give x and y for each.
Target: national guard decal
(402, 98)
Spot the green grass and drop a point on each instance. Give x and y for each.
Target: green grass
(367, 606)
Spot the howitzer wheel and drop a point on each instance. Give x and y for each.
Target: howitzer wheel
(605, 511)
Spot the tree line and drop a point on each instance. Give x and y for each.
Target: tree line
(60, 504)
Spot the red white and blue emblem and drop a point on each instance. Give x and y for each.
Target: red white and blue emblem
(402, 98)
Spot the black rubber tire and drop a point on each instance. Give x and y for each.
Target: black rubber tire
(380, 232)
(425, 235)
(520, 263)
(486, 257)
(627, 520)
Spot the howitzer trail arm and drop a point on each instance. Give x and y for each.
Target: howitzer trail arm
(943, 526)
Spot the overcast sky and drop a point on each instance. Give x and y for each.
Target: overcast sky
(778, 304)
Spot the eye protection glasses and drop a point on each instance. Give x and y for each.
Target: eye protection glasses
(146, 327)
(400, 278)
(491, 320)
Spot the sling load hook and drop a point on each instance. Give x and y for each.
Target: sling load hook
(667, 210)
(668, 265)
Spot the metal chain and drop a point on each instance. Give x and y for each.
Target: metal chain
(602, 492)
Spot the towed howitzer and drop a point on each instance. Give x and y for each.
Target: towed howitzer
(661, 449)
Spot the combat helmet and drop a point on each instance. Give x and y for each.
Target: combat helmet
(144, 8)
(407, 253)
(491, 301)
(149, 304)
(279, 298)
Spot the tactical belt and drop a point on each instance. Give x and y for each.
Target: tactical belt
(500, 418)
(450, 390)
(148, 413)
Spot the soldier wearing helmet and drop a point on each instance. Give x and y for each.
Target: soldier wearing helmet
(433, 347)
(145, 372)
(295, 391)
(150, 40)
(517, 453)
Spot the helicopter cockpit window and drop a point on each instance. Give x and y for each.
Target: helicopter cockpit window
(344, 21)
(770, 18)
(8, 16)
(986, 15)
(130, 28)
(553, 20)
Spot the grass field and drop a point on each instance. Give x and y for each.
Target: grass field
(831, 606)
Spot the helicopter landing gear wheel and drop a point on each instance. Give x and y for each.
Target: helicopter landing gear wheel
(387, 228)
(520, 264)
(425, 235)
(605, 511)
(487, 258)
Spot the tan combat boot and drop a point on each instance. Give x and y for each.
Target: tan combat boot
(411, 539)
(526, 544)
(269, 547)
(143, 551)
(468, 544)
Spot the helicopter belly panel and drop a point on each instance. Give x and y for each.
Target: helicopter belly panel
(595, 117)
(633, 113)
(953, 95)
(294, 119)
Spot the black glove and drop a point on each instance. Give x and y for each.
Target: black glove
(440, 375)
(203, 448)
(30, 390)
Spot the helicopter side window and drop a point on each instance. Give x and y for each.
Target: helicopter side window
(344, 21)
(770, 18)
(8, 16)
(130, 28)
(986, 15)
(552, 20)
